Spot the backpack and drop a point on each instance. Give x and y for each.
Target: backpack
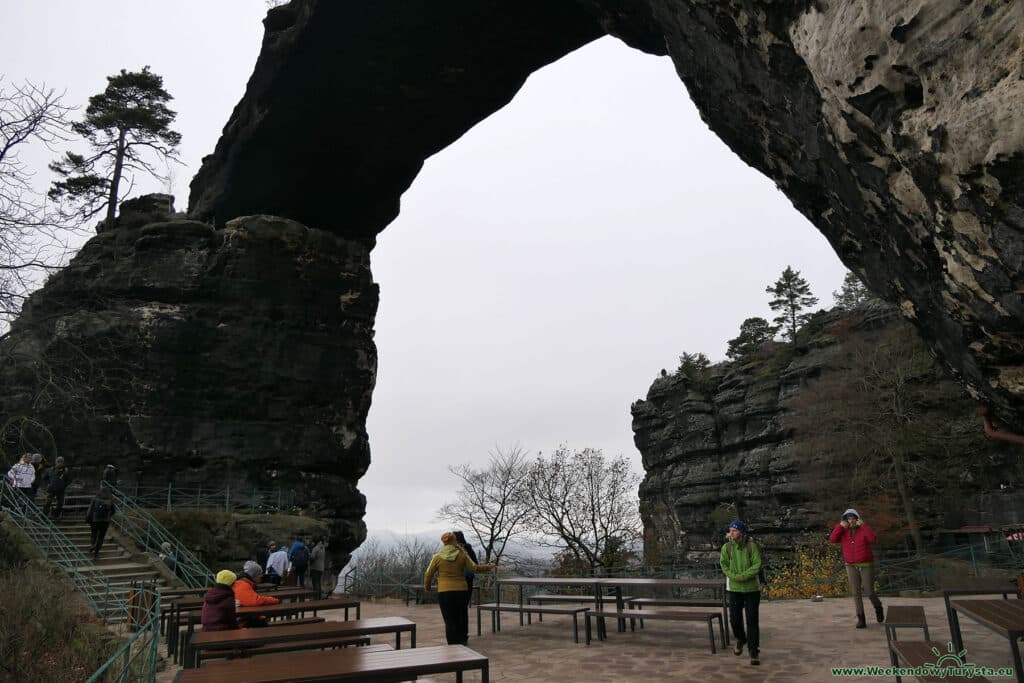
(300, 558)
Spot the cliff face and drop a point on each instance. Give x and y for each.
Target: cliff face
(242, 355)
(895, 127)
(725, 446)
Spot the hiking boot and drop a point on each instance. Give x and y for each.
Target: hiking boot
(737, 649)
(755, 659)
(879, 614)
(861, 623)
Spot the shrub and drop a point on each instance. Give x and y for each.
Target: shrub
(46, 632)
(814, 570)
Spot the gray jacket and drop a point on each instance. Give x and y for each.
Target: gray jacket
(317, 557)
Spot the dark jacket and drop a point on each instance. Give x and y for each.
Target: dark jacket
(100, 510)
(262, 554)
(58, 479)
(219, 609)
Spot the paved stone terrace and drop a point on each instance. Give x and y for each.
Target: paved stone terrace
(800, 641)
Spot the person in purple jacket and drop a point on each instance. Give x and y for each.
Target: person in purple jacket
(219, 604)
(856, 537)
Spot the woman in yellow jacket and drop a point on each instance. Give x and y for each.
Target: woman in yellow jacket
(450, 565)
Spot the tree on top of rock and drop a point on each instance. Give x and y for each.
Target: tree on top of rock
(126, 125)
(852, 294)
(754, 333)
(790, 295)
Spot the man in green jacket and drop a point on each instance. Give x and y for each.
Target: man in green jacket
(741, 561)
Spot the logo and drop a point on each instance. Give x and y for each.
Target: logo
(948, 664)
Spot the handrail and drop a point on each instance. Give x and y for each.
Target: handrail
(133, 662)
(228, 499)
(150, 535)
(58, 549)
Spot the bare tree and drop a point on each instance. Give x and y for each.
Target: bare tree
(491, 502)
(34, 236)
(585, 505)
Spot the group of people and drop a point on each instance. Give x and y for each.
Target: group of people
(32, 472)
(274, 564)
(741, 562)
(289, 564)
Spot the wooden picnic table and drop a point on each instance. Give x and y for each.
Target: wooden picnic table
(975, 586)
(1005, 617)
(596, 584)
(286, 609)
(190, 605)
(346, 665)
(254, 637)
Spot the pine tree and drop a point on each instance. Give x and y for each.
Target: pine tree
(124, 124)
(852, 294)
(791, 295)
(754, 332)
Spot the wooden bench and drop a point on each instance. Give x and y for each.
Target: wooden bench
(496, 609)
(253, 637)
(639, 603)
(542, 598)
(919, 654)
(672, 615)
(350, 664)
(293, 646)
(904, 616)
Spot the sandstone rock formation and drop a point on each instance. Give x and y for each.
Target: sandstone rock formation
(724, 447)
(242, 344)
(240, 355)
(894, 127)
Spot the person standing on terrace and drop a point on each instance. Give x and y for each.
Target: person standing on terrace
(856, 537)
(741, 561)
(450, 565)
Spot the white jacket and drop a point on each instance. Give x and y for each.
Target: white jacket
(23, 475)
(278, 561)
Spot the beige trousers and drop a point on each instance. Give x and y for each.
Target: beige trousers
(859, 578)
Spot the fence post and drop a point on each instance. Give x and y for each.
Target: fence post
(199, 496)
(169, 496)
(974, 562)
(252, 503)
(279, 499)
(227, 499)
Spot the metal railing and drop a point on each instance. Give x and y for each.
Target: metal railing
(238, 499)
(59, 550)
(136, 659)
(149, 535)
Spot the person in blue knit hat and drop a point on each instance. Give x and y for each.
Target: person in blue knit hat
(741, 561)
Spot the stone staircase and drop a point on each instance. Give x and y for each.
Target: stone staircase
(115, 561)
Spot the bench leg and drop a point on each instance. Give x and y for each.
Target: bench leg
(586, 623)
(575, 629)
(926, 636)
(711, 635)
(723, 631)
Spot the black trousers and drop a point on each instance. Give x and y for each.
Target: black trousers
(52, 498)
(455, 612)
(298, 576)
(316, 576)
(749, 603)
(98, 532)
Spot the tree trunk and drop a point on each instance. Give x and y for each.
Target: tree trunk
(115, 179)
(908, 504)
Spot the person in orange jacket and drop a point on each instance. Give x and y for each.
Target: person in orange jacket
(246, 595)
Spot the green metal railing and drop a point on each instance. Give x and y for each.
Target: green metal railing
(135, 661)
(136, 523)
(58, 549)
(238, 499)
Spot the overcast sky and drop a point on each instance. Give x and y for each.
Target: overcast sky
(544, 268)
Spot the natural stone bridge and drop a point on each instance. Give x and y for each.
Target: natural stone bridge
(895, 127)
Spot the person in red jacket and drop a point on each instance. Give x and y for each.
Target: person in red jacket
(857, 538)
(246, 595)
(219, 604)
